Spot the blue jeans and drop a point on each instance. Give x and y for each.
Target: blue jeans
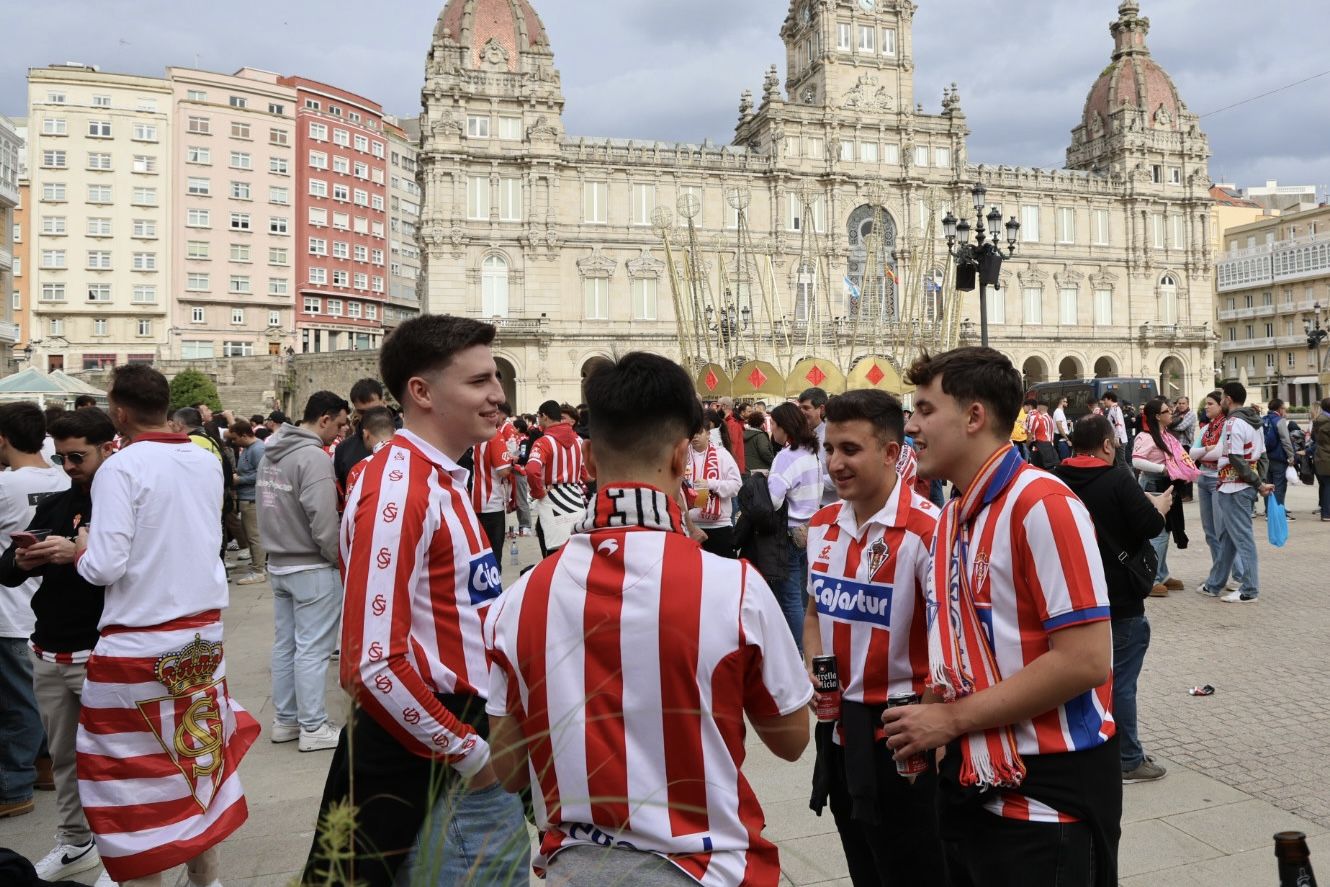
(793, 593)
(1153, 484)
(1131, 638)
(1278, 475)
(307, 609)
(21, 733)
(1205, 498)
(476, 838)
(1236, 541)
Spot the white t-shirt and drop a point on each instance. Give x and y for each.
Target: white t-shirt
(20, 491)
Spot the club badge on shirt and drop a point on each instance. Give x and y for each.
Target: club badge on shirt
(878, 553)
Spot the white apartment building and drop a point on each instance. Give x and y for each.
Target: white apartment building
(11, 150)
(403, 220)
(233, 263)
(100, 217)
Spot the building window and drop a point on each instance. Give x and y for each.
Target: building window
(477, 127)
(1029, 224)
(644, 298)
(1168, 300)
(53, 292)
(1178, 231)
(867, 38)
(644, 203)
(361, 253)
(237, 316)
(99, 327)
(145, 229)
(279, 137)
(494, 287)
(278, 286)
(280, 196)
(318, 131)
(52, 159)
(144, 163)
(334, 307)
(144, 197)
(510, 200)
(597, 293)
(145, 294)
(318, 246)
(53, 192)
(198, 125)
(1067, 298)
(277, 225)
(1099, 228)
(197, 315)
(240, 252)
(239, 130)
(341, 138)
(888, 41)
(237, 349)
(868, 152)
(56, 224)
(197, 282)
(236, 101)
(54, 126)
(99, 259)
(240, 222)
(1034, 306)
(53, 258)
(274, 318)
(277, 255)
(278, 109)
(311, 305)
(478, 197)
(353, 310)
(1157, 230)
(198, 187)
(198, 218)
(341, 278)
(144, 261)
(1066, 225)
(56, 326)
(1156, 174)
(361, 143)
(341, 164)
(145, 327)
(843, 36)
(595, 196)
(196, 154)
(341, 192)
(99, 292)
(145, 132)
(99, 129)
(942, 157)
(341, 250)
(318, 216)
(241, 160)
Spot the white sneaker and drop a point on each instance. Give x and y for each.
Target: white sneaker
(233, 545)
(252, 579)
(104, 880)
(1202, 589)
(323, 738)
(1239, 597)
(284, 732)
(68, 859)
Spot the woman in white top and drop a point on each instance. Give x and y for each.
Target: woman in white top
(1162, 462)
(1205, 453)
(712, 480)
(796, 482)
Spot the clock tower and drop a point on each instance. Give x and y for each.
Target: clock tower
(850, 55)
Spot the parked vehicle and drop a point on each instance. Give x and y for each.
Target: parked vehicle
(1081, 394)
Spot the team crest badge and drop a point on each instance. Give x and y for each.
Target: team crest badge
(980, 569)
(188, 721)
(878, 553)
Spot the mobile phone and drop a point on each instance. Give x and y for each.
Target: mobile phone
(28, 538)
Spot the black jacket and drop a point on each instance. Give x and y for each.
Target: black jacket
(67, 606)
(760, 534)
(1122, 512)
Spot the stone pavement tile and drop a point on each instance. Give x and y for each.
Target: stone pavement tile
(793, 819)
(1246, 825)
(1181, 791)
(813, 860)
(1153, 845)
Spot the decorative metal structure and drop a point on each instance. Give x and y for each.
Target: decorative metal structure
(981, 260)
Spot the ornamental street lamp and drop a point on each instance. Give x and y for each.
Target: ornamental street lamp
(982, 260)
(1316, 336)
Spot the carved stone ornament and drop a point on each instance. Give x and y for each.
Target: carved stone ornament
(1162, 117)
(1032, 277)
(645, 265)
(596, 265)
(868, 95)
(493, 53)
(1069, 279)
(543, 380)
(542, 130)
(771, 85)
(1103, 279)
(447, 126)
(746, 104)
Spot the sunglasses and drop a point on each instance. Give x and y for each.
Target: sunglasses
(71, 458)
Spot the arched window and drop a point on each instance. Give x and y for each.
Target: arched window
(1168, 299)
(494, 287)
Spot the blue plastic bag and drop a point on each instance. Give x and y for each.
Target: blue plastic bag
(1276, 522)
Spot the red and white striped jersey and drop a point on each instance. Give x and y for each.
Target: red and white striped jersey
(1035, 568)
(419, 577)
(1040, 427)
(556, 457)
(907, 466)
(867, 583)
(489, 492)
(633, 703)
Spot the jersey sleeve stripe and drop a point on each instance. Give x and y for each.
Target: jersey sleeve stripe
(1077, 617)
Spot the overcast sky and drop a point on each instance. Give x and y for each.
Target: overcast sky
(674, 70)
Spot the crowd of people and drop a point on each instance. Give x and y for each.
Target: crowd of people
(954, 597)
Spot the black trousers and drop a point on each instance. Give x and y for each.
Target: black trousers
(494, 523)
(998, 852)
(720, 540)
(392, 792)
(902, 849)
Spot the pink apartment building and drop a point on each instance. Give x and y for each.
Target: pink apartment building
(341, 219)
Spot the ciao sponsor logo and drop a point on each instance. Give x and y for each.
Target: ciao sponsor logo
(852, 601)
(486, 579)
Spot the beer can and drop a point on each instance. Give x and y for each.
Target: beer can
(826, 684)
(914, 764)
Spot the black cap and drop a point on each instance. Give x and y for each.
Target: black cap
(279, 417)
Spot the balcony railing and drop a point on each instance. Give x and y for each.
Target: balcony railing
(1249, 344)
(516, 327)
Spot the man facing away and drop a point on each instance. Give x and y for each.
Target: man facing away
(29, 478)
(556, 474)
(624, 665)
(1020, 651)
(297, 506)
(1243, 465)
(377, 427)
(868, 569)
(155, 705)
(420, 578)
(68, 609)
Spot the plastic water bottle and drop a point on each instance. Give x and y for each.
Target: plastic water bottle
(513, 549)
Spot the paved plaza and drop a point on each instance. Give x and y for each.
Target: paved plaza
(1244, 763)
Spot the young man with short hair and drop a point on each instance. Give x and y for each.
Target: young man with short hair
(30, 478)
(1020, 651)
(813, 402)
(869, 561)
(1243, 465)
(298, 520)
(68, 609)
(377, 427)
(157, 678)
(420, 578)
(366, 394)
(1113, 412)
(624, 666)
(556, 472)
(246, 478)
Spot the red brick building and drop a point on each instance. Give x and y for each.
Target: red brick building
(341, 221)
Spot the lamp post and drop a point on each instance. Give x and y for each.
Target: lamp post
(981, 259)
(1316, 339)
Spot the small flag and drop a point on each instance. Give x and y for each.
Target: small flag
(891, 272)
(851, 290)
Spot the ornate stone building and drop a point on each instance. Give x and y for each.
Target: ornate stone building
(552, 234)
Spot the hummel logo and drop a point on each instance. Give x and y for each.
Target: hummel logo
(609, 547)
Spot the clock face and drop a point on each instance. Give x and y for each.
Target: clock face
(867, 5)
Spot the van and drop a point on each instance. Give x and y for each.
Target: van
(1083, 394)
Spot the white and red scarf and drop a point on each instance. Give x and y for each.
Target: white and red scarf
(960, 653)
(711, 474)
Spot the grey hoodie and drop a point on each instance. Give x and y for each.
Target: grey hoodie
(297, 500)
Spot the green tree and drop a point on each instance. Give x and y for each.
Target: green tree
(190, 387)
